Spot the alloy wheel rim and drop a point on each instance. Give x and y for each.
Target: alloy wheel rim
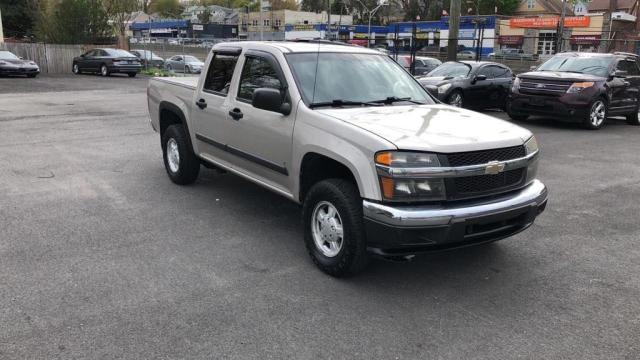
(456, 100)
(327, 229)
(104, 70)
(173, 155)
(75, 68)
(597, 113)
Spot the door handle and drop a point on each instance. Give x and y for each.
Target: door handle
(236, 114)
(202, 103)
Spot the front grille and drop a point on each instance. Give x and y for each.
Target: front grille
(470, 185)
(485, 156)
(544, 87)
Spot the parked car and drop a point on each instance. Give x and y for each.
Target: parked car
(512, 54)
(106, 62)
(469, 84)
(10, 64)
(184, 63)
(581, 87)
(423, 64)
(378, 167)
(466, 55)
(148, 58)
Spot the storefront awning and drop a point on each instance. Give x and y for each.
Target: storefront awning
(510, 39)
(585, 39)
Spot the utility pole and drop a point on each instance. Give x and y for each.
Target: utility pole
(261, 23)
(454, 25)
(561, 27)
(328, 32)
(1, 33)
(371, 13)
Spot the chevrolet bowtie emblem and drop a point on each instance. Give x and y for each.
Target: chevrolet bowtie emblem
(494, 167)
(540, 86)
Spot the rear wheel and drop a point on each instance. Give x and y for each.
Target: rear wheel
(632, 119)
(104, 70)
(333, 227)
(596, 116)
(181, 163)
(76, 69)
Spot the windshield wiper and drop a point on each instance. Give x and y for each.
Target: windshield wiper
(571, 71)
(391, 99)
(340, 103)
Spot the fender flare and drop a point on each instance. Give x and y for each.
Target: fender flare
(165, 105)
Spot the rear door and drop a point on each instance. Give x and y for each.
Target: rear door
(262, 139)
(631, 83)
(86, 61)
(211, 122)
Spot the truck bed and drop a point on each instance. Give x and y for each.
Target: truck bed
(178, 91)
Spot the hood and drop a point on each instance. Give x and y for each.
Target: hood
(437, 80)
(559, 75)
(17, 61)
(435, 128)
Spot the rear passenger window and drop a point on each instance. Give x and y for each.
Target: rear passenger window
(220, 73)
(629, 66)
(257, 73)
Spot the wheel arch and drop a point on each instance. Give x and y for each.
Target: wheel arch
(315, 167)
(170, 114)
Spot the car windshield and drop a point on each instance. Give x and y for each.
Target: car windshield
(191, 59)
(8, 56)
(454, 69)
(596, 65)
(344, 78)
(119, 53)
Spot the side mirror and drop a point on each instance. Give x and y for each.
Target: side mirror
(480, 78)
(532, 67)
(271, 100)
(20, 57)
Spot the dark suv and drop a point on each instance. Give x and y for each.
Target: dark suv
(584, 87)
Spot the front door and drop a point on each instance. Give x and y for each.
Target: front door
(478, 91)
(262, 139)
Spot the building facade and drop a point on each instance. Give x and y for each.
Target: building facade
(270, 25)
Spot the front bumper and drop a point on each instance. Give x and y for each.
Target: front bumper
(568, 106)
(19, 70)
(399, 231)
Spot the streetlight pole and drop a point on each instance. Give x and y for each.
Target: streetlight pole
(371, 13)
(562, 16)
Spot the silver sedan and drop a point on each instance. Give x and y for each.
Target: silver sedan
(184, 63)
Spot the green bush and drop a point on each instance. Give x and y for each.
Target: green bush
(156, 72)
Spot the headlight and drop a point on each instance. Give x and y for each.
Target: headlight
(580, 86)
(409, 189)
(516, 85)
(443, 88)
(531, 145)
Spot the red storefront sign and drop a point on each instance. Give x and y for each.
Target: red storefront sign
(585, 39)
(510, 39)
(549, 22)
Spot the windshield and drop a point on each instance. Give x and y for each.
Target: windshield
(453, 69)
(326, 77)
(597, 65)
(8, 56)
(118, 52)
(191, 59)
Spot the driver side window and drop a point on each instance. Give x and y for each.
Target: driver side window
(629, 66)
(257, 72)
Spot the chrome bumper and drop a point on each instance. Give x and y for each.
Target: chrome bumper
(532, 196)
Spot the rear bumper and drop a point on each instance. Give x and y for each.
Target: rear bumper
(125, 69)
(397, 231)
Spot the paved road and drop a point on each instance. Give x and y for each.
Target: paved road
(101, 256)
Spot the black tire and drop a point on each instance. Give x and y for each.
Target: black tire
(76, 69)
(187, 70)
(344, 197)
(632, 119)
(104, 70)
(514, 116)
(131, 75)
(188, 164)
(587, 122)
(453, 98)
(32, 75)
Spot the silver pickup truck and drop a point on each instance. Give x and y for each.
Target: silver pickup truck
(379, 167)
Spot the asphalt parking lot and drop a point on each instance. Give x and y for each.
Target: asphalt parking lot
(101, 256)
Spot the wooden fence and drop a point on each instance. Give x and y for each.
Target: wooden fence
(52, 58)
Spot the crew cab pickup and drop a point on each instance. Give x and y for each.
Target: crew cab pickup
(379, 167)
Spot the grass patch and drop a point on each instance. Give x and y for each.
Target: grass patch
(156, 72)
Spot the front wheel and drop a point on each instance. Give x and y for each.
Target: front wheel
(333, 227)
(187, 70)
(455, 99)
(76, 69)
(181, 163)
(632, 119)
(596, 116)
(132, 74)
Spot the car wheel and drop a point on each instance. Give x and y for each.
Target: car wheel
(455, 99)
(187, 70)
(32, 75)
(333, 227)
(597, 115)
(632, 119)
(131, 75)
(76, 69)
(169, 67)
(104, 71)
(181, 163)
